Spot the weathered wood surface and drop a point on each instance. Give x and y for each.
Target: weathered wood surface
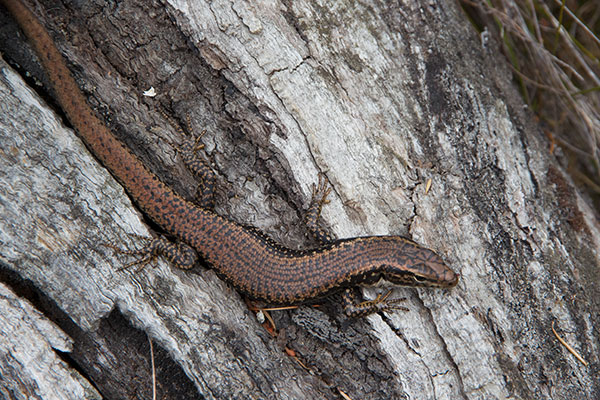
(29, 365)
(382, 98)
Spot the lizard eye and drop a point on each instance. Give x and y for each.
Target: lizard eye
(419, 279)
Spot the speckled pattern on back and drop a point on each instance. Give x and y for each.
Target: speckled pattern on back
(244, 257)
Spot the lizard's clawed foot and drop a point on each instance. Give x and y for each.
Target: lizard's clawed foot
(180, 254)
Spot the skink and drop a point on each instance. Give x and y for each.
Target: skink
(246, 258)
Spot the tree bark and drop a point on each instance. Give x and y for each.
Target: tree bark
(418, 129)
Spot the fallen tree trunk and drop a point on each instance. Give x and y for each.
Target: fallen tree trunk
(420, 133)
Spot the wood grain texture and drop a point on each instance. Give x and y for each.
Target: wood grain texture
(382, 98)
(28, 360)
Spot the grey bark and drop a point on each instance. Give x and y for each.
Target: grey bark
(382, 98)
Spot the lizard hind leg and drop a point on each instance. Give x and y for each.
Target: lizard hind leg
(180, 254)
(188, 150)
(320, 191)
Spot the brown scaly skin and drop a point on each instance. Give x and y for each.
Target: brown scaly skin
(244, 257)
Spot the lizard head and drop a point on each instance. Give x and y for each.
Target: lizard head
(403, 262)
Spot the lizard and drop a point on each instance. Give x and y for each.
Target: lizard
(243, 256)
